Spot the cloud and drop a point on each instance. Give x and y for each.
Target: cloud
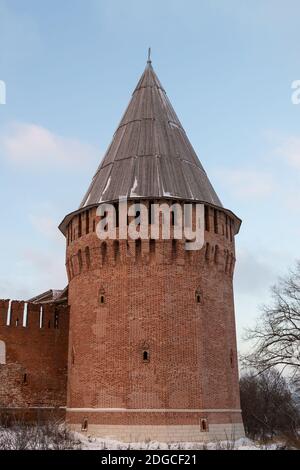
(246, 183)
(289, 150)
(33, 146)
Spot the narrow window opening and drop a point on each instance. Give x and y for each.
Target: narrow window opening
(17, 322)
(87, 222)
(116, 206)
(138, 249)
(198, 297)
(103, 252)
(146, 356)
(73, 355)
(25, 379)
(203, 425)
(174, 249)
(85, 425)
(49, 324)
(151, 213)
(207, 252)
(102, 296)
(152, 248)
(79, 226)
(215, 221)
(206, 215)
(231, 231)
(172, 218)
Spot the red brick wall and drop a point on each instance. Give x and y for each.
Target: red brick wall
(40, 353)
(150, 304)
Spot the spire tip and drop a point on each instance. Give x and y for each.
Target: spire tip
(149, 61)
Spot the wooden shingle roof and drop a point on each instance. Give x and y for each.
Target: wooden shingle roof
(150, 155)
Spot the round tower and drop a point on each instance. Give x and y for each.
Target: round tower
(152, 346)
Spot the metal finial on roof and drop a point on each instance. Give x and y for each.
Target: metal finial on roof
(149, 61)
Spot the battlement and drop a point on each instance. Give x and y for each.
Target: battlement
(26, 315)
(85, 251)
(217, 221)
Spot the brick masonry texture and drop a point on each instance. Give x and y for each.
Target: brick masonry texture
(151, 327)
(128, 298)
(35, 373)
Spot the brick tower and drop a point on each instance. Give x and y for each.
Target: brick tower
(152, 344)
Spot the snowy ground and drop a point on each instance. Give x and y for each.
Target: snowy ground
(91, 443)
(58, 437)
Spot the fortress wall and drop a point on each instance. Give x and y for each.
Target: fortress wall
(33, 366)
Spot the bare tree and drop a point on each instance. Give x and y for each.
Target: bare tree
(276, 337)
(268, 405)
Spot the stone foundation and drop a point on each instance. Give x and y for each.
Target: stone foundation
(140, 433)
(167, 425)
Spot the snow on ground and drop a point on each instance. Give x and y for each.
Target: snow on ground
(93, 443)
(58, 437)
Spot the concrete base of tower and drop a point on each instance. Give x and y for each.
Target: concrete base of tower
(175, 433)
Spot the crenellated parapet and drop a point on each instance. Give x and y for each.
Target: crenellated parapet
(85, 251)
(32, 316)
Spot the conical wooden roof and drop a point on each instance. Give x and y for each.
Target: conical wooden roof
(150, 155)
